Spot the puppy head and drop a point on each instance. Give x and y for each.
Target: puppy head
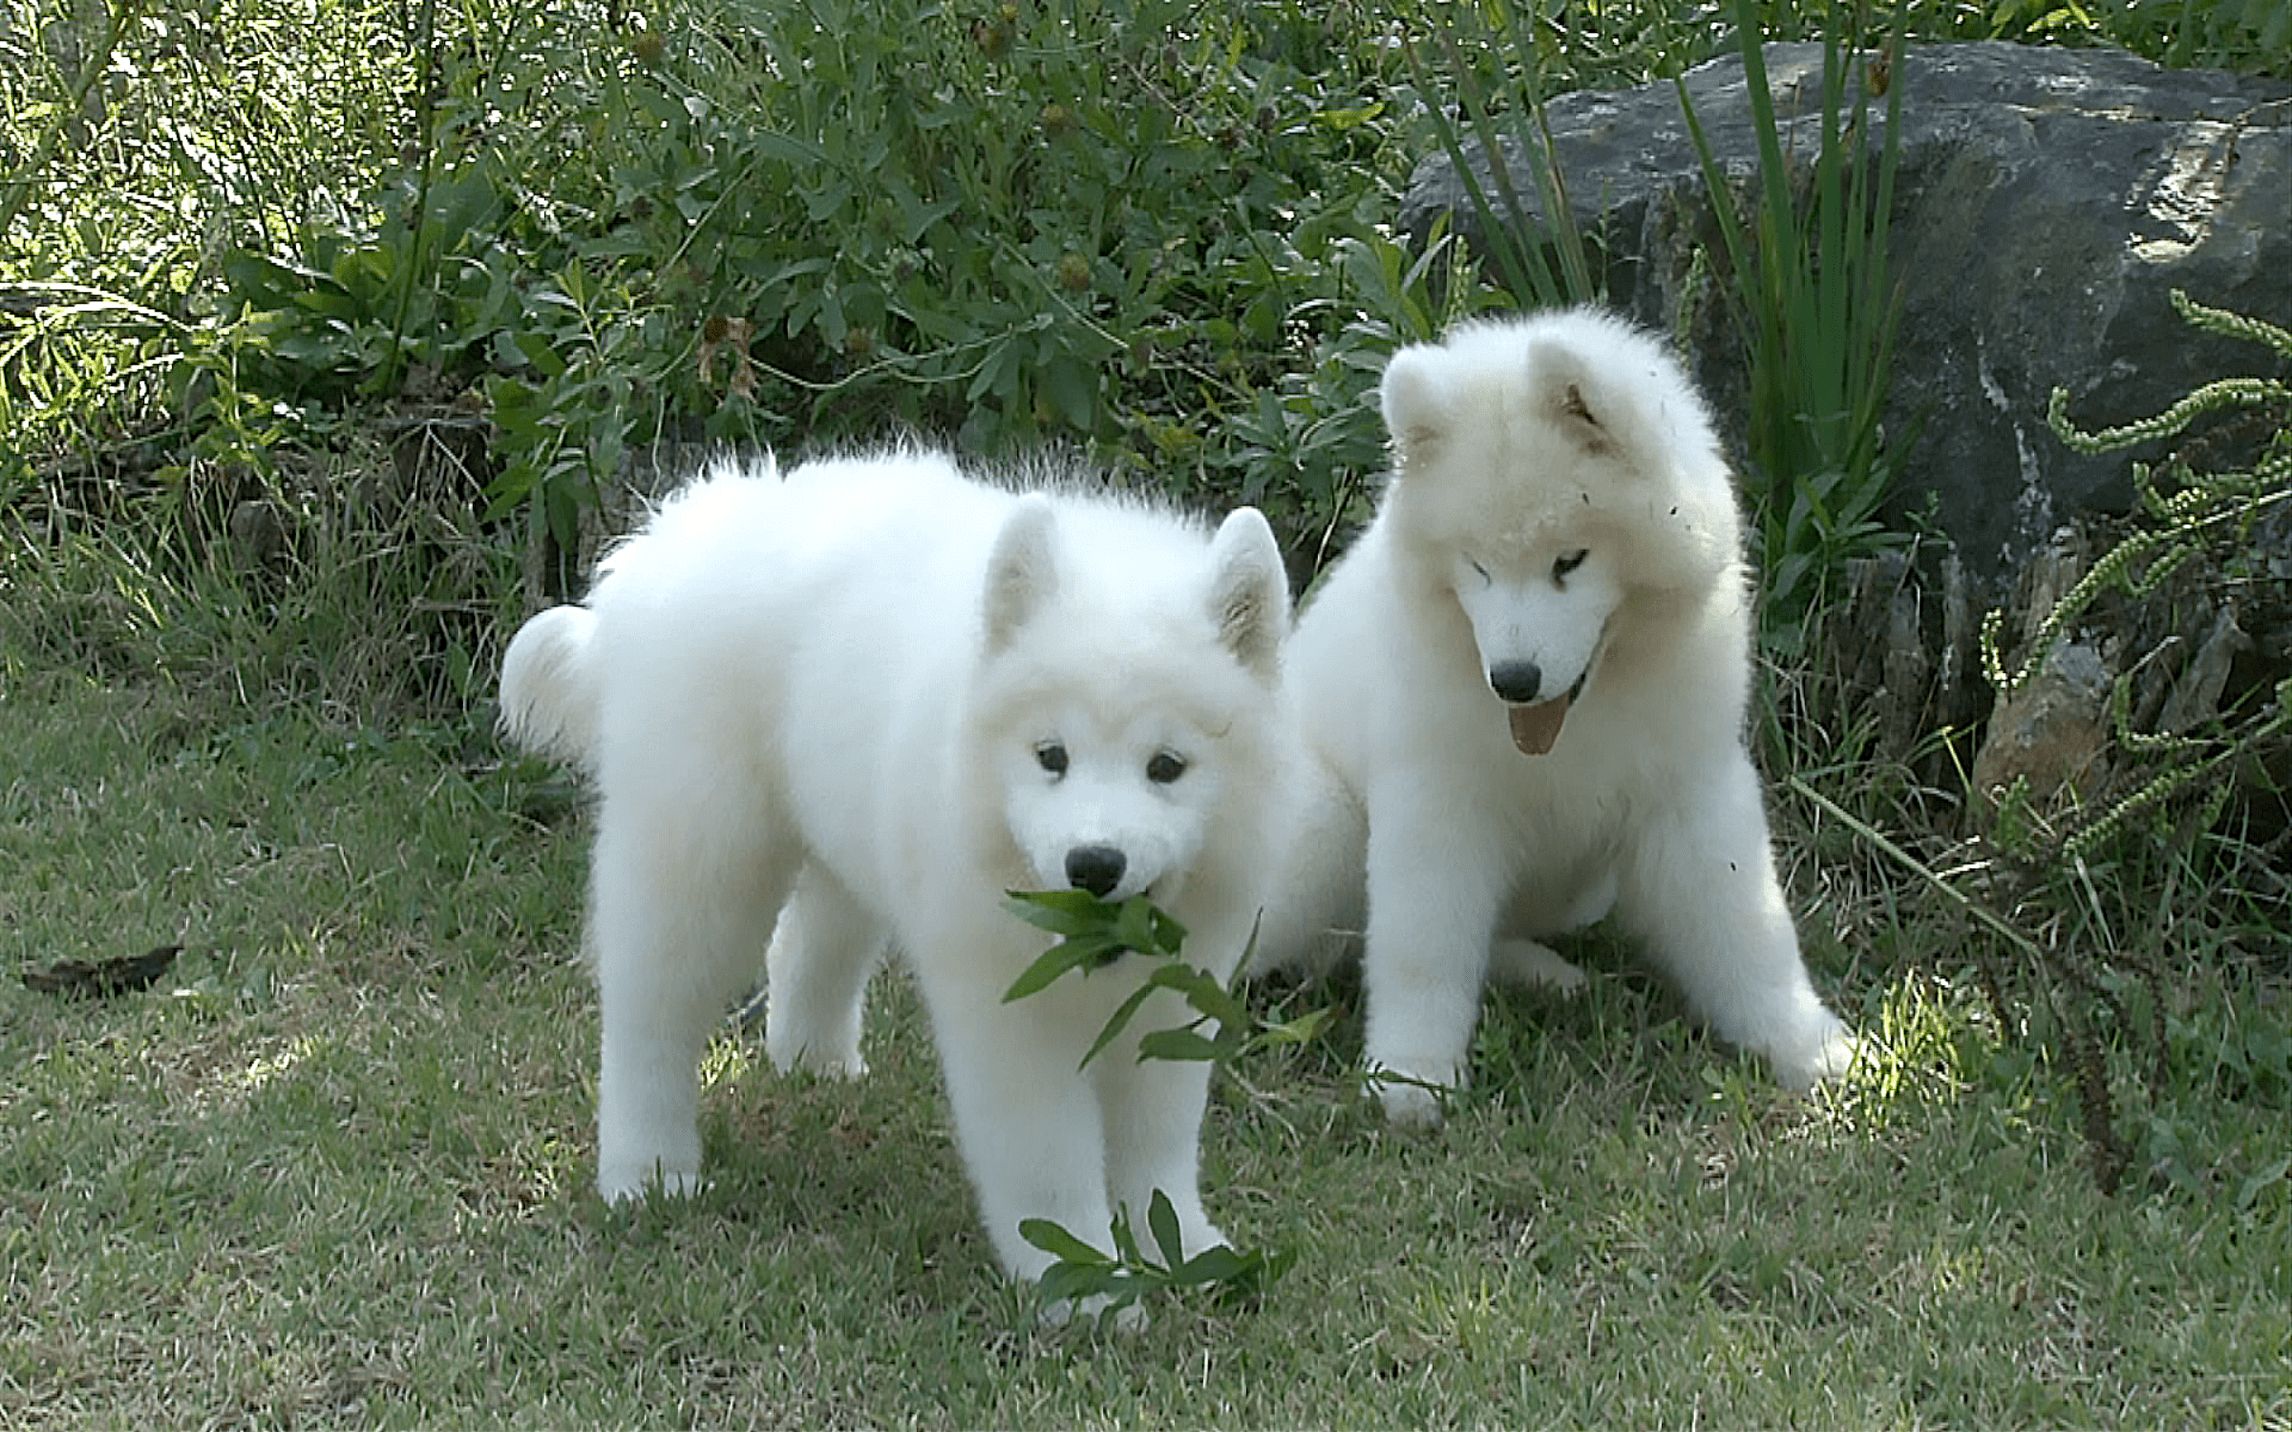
(1539, 614)
(1546, 470)
(1123, 709)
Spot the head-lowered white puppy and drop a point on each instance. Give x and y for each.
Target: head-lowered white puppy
(1525, 689)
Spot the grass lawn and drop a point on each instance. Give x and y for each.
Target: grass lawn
(335, 1168)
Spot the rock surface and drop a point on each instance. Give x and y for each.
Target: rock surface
(2046, 202)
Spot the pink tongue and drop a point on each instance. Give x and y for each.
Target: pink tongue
(1535, 728)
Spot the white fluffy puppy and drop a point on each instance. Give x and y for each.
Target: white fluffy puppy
(1526, 687)
(864, 701)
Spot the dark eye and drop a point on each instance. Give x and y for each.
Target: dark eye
(1051, 756)
(1478, 570)
(1166, 767)
(1567, 564)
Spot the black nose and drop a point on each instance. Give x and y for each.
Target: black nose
(1096, 868)
(1516, 681)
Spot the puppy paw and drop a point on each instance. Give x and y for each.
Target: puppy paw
(1128, 1319)
(623, 1187)
(1525, 964)
(1413, 1102)
(824, 1060)
(1831, 1053)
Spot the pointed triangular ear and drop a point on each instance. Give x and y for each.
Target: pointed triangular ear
(1022, 571)
(1416, 412)
(1564, 390)
(1249, 591)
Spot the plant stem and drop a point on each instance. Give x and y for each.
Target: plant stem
(20, 183)
(426, 116)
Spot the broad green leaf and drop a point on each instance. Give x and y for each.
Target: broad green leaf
(1214, 1265)
(1169, 935)
(1134, 925)
(1056, 1241)
(1062, 912)
(1301, 1030)
(1072, 390)
(1056, 961)
(1204, 993)
(1179, 1044)
(1162, 1221)
(1062, 1281)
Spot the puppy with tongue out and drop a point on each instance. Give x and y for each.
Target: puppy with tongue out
(1535, 722)
(1535, 727)
(1524, 691)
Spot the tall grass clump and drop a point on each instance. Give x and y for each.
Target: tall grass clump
(1531, 239)
(1810, 291)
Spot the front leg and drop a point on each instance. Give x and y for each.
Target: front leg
(1700, 888)
(1026, 1115)
(1154, 1108)
(1153, 1111)
(1438, 869)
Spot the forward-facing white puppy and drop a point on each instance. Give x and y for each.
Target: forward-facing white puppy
(865, 700)
(1526, 686)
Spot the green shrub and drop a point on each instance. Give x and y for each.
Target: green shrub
(1153, 229)
(1119, 224)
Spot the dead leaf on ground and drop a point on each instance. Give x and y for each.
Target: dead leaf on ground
(103, 977)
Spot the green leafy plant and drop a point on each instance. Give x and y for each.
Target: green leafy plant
(2108, 877)
(2189, 515)
(1130, 1272)
(1112, 224)
(1312, 439)
(1093, 935)
(1809, 287)
(2253, 36)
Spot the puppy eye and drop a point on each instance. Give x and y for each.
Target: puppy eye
(1166, 767)
(1478, 570)
(1051, 756)
(1569, 563)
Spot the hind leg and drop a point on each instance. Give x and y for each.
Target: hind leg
(1317, 903)
(681, 909)
(1701, 890)
(823, 953)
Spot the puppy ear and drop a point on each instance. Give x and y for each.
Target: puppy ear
(1022, 571)
(1249, 591)
(1565, 391)
(1416, 411)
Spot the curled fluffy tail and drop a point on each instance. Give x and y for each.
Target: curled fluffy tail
(549, 695)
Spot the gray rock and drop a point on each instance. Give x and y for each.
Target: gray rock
(2046, 202)
(2052, 734)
